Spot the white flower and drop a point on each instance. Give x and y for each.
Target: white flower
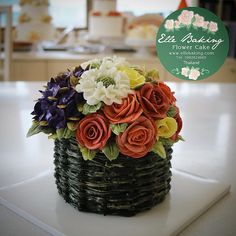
(113, 62)
(185, 71)
(91, 62)
(213, 27)
(186, 17)
(104, 85)
(199, 21)
(194, 74)
(205, 24)
(169, 24)
(177, 24)
(106, 62)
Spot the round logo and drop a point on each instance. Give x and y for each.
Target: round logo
(192, 43)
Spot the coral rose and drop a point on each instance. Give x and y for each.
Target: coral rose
(179, 126)
(166, 90)
(153, 100)
(93, 131)
(126, 112)
(138, 139)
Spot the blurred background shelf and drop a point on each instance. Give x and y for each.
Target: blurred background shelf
(42, 66)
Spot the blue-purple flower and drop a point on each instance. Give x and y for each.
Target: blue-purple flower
(59, 102)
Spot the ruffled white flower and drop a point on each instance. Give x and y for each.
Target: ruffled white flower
(95, 61)
(114, 61)
(106, 63)
(105, 84)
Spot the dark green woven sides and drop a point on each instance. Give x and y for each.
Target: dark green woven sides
(124, 186)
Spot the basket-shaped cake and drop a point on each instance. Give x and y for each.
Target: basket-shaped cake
(114, 126)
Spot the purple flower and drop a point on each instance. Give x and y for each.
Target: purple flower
(78, 71)
(55, 118)
(59, 102)
(40, 109)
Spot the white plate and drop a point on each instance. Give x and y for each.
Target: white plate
(37, 201)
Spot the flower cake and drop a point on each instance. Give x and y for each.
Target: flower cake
(114, 126)
(34, 22)
(105, 21)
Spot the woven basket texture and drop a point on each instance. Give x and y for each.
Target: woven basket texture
(125, 186)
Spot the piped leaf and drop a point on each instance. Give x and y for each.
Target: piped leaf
(118, 128)
(72, 125)
(60, 133)
(111, 150)
(159, 149)
(34, 129)
(166, 141)
(171, 112)
(88, 109)
(180, 138)
(87, 154)
(52, 136)
(67, 133)
(74, 81)
(153, 74)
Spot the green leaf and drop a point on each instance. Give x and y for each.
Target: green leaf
(74, 81)
(52, 136)
(171, 112)
(60, 133)
(159, 149)
(46, 130)
(63, 133)
(111, 150)
(87, 154)
(94, 65)
(43, 123)
(80, 107)
(34, 129)
(153, 74)
(118, 128)
(87, 109)
(72, 125)
(166, 142)
(67, 133)
(180, 138)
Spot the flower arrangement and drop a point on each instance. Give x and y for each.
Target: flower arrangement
(109, 106)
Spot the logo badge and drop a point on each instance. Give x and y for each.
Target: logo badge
(192, 43)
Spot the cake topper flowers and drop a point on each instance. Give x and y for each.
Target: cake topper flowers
(109, 106)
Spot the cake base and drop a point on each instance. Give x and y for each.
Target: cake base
(124, 186)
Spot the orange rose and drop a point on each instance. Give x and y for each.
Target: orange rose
(138, 139)
(126, 112)
(93, 131)
(153, 100)
(166, 90)
(180, 125)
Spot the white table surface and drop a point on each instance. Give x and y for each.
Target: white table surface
(209, 114)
